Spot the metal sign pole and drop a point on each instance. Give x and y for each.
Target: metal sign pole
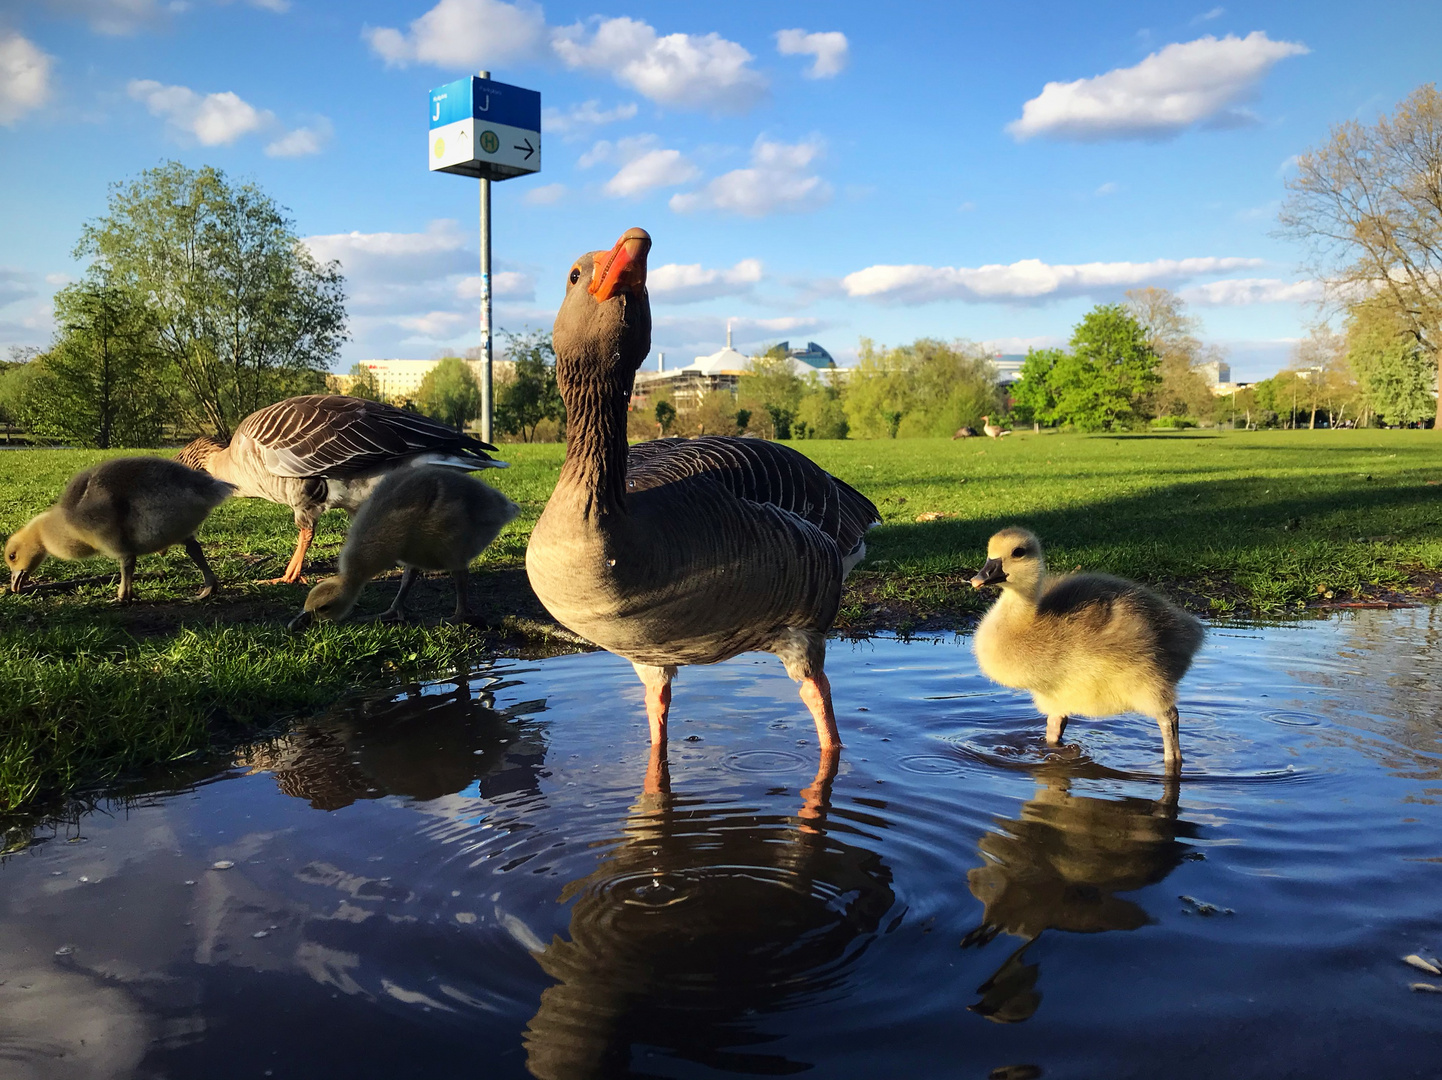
(486, 431)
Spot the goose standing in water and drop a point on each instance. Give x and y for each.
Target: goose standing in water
(1087, 643)
(123, 507)
(682, 551)
(320, 451)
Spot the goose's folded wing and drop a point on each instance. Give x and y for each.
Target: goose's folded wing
(334, 435)
(760, 472)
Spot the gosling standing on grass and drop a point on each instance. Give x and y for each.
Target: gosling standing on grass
(426, 518)
(1085, 644)
(123, 507)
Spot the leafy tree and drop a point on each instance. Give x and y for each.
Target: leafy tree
(364, 384)
(665, 414)
(23, 386)
(1033, 397)
(1394, 371)
(955, 385)
(1171, 332)
(714, 414)
(450, 393)
(770, 388)
(243, 312)
(821, 414)
(1321, 360)
(530, 395)
(1105, 380)
(105, 382)
(1368, 203)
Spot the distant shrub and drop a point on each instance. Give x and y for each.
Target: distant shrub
(1177, 422)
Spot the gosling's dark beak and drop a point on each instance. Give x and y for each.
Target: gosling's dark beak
(19, 579)
(991, 573)
(300, 622)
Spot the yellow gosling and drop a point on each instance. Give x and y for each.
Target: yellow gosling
(123, 507)
(425, 518)
(1083, 644)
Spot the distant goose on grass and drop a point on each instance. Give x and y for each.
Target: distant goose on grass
(1086, 644)
(993, 431)
(320, 451)
(682, 551)
(123, 507)
(427, 518)
(964, 432)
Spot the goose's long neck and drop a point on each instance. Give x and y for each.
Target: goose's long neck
(596, 443)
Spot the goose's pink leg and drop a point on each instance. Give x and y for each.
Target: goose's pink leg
(816, 692)
(293, 568)
(657, 681)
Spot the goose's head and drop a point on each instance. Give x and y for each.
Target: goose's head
(1013, 561)
(329, 601)
(24, 551)
(604, 325)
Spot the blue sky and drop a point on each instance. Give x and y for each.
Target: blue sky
(812, 171)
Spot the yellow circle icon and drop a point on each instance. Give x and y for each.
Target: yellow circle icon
(440, 148)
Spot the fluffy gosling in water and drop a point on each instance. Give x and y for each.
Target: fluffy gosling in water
(425, 518)
(1084, 644)
(123, 507)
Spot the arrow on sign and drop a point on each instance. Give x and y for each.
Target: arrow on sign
(528, 148)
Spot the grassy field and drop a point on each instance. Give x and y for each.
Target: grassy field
(1264, 522)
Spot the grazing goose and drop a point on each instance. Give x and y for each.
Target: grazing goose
(1087, 644)
(682, 551)
(320, 451)
(993, 431)
(123, 507)
(964, 433)
(427, 518)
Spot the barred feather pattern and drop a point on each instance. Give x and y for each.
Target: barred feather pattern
(335, 435)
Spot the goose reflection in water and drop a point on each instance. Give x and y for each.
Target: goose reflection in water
(699, 923)
(420, 745)
(1060, 866)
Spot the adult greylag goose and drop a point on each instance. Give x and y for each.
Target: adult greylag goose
(682, 551)
(123, 507)
(320, 451)
(427, 518)
(993, 431)
(1087, 644)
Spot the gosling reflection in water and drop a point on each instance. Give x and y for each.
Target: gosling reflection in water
(701, 922)
(1059, 866)
(421, 745)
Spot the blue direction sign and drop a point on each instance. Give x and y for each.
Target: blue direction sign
(484, 128)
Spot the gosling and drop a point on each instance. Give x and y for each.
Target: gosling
(426, 518)
(123, 507)
(1084, 644)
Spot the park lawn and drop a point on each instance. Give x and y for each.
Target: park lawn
(1264, 522)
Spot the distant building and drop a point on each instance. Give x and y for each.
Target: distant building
(1222, 389)
(1008, 367)
(813, 356)
(400, 380)
(1216, 372)
(721, 370)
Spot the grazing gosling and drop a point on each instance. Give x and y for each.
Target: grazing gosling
(1084, 644)
(425, 518)
(123, 507)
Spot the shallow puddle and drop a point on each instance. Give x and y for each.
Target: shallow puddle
(471, 881)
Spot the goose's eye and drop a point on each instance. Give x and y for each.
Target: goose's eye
(575, 274)
(1019, 553)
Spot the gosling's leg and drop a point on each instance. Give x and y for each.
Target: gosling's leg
(657, 681)
(197, 556)
(397, 611)
(1055, 725)
(463, 580)
(1171, 745)
(816, 692)
(126, 592)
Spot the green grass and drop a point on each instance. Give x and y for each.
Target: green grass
(1264, 522)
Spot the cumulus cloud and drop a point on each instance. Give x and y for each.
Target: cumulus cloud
(1026, 281)
(545, 195)
(15, 284)
(579, 120)
(1208, 16)
(778, 179)
(303, 141)
(390, 257)
(1015, 345)
(1243, 292)
(464, 33)
(24, 77)
(677, 283)
(689, 70)
(211, 119)
(830, 49)
(1202, 81)
(653, 169)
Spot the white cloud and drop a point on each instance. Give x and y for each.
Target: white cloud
(506, 285)
(465, 34)
(1208, 16)
(578, 120)
(1028, 280)
(303, 141)
(212, 119)
(703, 71)
(15, 284)
(830, 49)
(398, 258)
(545, 195)
(1243, 292)
(676, 283)
(280, 7)
(1189, 83)
(1015, 345)
(24, 77)
(1111, 187)
(777, 180)
(683, 337)
(115, 17)
(653, 169)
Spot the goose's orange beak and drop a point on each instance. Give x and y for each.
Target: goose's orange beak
(624, 266)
